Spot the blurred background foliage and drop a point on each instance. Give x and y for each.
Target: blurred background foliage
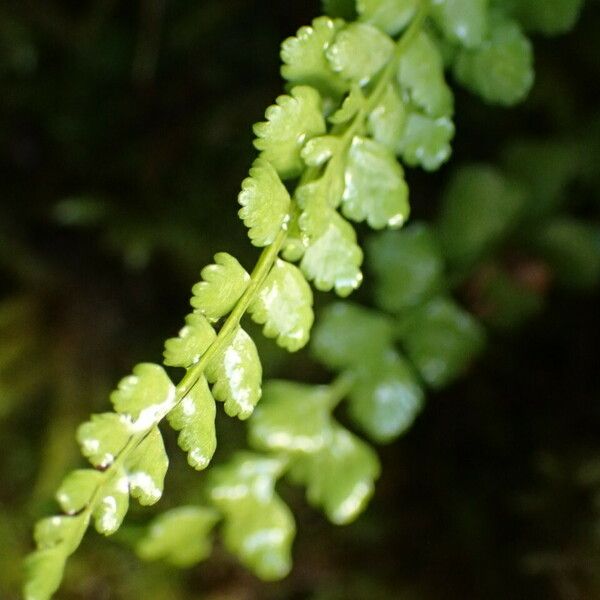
(124, 136)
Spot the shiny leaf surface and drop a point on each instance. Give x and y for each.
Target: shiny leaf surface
(290, 123)
(359, 52)
(103, 437)
(194, 339)
(375, 189)
(284, 306)
(236, 373)
(333, 258)
(113, 503)
(145, 396)
(222, 285)
(265, 203)
(194, 418)
(305, 61)
(146, 467)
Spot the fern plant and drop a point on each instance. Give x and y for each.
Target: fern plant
(361, 93)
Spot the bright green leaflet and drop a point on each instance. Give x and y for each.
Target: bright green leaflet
(222, 285)
(265, 203)
(193, 341)
(375, 189)
(290, 123)
(194, 418)
(236, 373)
(305, 61)
(284, 306)
(359, 52)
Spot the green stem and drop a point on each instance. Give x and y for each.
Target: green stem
(340, 387)
(191, 378)
(259, 273)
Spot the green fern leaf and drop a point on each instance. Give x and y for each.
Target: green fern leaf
(223, 285)
(346, 333)
(103, 437)
(462, 21)
(359, 52)
(77, 488)
(500, 70)
(319, 150)
(387, 120)
(180, 536)
(332, 258)
(290, 123)
(412, 257)
(194, 417)
(236, 373)
(265, 203)
(386, 398)
(421, 74)
(304, 58)
(44, 572)
(193, 341)
(390, 15)
(145, 396)
(441, 339)
(113, 504)
(284, 306)
(375, 187)
(64, 531)
(291, 417)
(351, 105)
(259, 527)
(340, 478)
(57, 538)
(146, 467)
(426, 141)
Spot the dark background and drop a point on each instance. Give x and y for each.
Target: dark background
(125, 131)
